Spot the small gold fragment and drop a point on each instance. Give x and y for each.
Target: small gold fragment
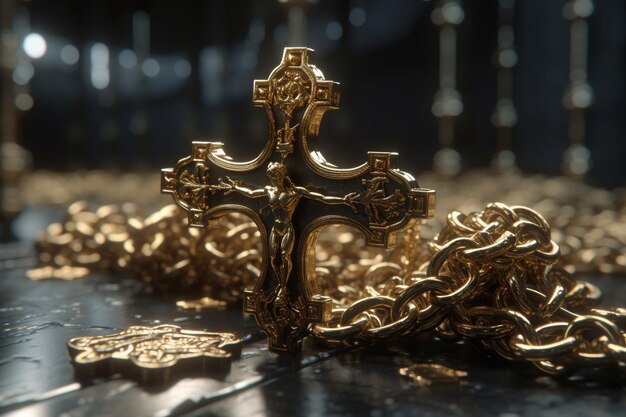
(427, 374)
(67, 273)
(201, 304)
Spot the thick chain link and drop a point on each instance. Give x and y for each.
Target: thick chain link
(493, 278)
(490, 276)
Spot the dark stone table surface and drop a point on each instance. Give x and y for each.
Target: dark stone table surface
(37, 379)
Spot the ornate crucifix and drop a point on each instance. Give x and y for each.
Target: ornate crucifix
(291, 192)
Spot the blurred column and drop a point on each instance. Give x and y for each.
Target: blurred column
(140, 120)
(578, 93)
(447, 105)
(296, 22)
(14, 159)
(504, 117)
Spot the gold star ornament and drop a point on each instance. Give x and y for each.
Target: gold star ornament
(153, 354)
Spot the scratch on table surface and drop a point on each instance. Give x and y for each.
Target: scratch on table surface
(82, 327)
(197, 397)
(119, 390)
(20, 398)
(15, 342)
(23, 317)
(20, 331)
(8, 309)
(21, 358)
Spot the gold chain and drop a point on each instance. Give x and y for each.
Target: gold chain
(159, 249)
(587, 221)
(489, 276)
(492, 278)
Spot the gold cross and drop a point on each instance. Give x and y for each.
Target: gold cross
(291, 192)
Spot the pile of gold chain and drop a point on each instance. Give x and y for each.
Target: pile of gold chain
(160, 250)
(588, 222)
(490, 276)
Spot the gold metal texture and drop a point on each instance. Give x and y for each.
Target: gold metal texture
(154, 354)
(587, 224)
(157, 249)
(291, 192)
(427, 374)
(493, 276)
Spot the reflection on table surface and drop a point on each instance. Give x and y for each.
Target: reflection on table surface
(38, 317)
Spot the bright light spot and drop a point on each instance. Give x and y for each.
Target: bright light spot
(24, 101)
(151, 67)
(507, 58)
(452, 13)
(34, 45)
(182, 68)
(583, 8)
(334, 31)
(447, 161)
(357, 17)
(100, 66)
(23, 73)
(127, 59)
(577, 159)
(69, 54)
(506, 158)
(582, 97)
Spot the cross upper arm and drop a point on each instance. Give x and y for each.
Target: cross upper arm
(309, 194)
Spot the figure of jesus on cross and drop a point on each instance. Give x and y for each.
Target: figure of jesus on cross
(283, 197)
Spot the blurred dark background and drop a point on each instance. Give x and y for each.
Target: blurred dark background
(128, 84)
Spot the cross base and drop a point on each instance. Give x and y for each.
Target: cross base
(286, 322)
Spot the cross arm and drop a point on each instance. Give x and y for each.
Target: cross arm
(347, 199)
(236, 185)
